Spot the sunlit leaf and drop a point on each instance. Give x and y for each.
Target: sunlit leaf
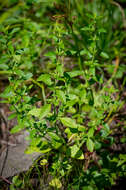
(90, 145)
(76, 152)
(54, 136)
(45, 110)
(40, 112)
(104, 55)
(68, 122)
(75, 73)
(17, 128)
(35, 112)
(46, 78)
(90, 132)
(56, 183)
(43, 162)
(61, 96)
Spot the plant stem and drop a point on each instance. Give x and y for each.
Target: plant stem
(42, 88)
(5, 72)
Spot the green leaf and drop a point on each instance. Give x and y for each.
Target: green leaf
(56, 141)
(4, 66)
(68, 132)
(68, 122)
(90, 132)
(87, 188)
(71, 110)
(97, 145)
(83, 52)
(86, 108)
(104, 55)
(105, 130)
(56, 144)
(122, 156)
(51, 55)
(32, 149)
(60, 69)
(101, 30)
(34, 146)
(90, 145)
(17, 182)
(45, 110)
(72, 100)
(46, 78)
(13, 115)
(56, 183)
(90, 16)
(73, 52)
(17, 58)
(75, 73)
(122, 159)
(8, 93)
(76, 152)
(28, 76)
(17, 128)
(54, 136)
(81, 128)
(61, 95)
(85, 28)
(40, 112)
(15, 30)
(43, 162)
(35, 112)
(19, 72)
(10, 47)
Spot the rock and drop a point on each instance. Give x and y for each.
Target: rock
(17, 161)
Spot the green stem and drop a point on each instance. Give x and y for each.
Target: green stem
(42, 88)
(5, 72)
(43, 94)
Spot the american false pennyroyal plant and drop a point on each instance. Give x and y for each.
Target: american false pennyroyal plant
(70, 127)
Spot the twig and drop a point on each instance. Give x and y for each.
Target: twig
(6, 180)
(10, 144)
(116, 66)
(121, 10)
